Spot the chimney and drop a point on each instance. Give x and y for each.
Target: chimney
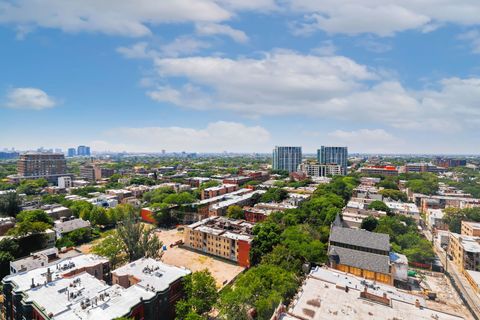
(49, 276)
(33, 284)
(417, 303)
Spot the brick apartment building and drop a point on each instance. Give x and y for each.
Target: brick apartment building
(36, 165)
(380, 170)
(218, 191)
(226, 238)
(76, 288)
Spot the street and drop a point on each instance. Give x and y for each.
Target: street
(461, 284)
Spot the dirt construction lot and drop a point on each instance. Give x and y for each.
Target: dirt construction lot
(447, 298)
(221, 270)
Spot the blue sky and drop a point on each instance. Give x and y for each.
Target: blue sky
(389, 76)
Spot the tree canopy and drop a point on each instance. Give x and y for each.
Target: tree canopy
(139, 239)
(10, 204)
(235, 212)
(261, 288)
(379, 206)
(369, 223)
(200, 295)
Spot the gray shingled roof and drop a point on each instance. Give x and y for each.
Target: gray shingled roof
(364, 260)
(361, 238)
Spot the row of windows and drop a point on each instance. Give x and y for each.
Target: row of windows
(358, 248)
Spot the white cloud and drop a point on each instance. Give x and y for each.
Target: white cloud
(334, 87)
(272, 85)
(29, 98)
(383, 17)
(116, 17)
(258, 5)
(327, 48)
(183, 45)
(375, 46)
(473, 37)
(135, 18)
(138, 50)
(366, 140)
(221, 29)
(215, 137)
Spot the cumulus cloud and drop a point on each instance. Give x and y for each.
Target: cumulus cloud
(382, 17)
(115, 17)
(135, 18)
(272, 85)
(288, 83)
(215, 137)
(29, 98)
(221, 29)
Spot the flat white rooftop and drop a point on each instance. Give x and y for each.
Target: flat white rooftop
(153, 274)
(84, 297)
(23, 280)
(323, 296)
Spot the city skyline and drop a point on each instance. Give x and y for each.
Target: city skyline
(241, 76)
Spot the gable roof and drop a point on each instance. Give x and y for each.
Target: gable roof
(360, 237)
(363, 260)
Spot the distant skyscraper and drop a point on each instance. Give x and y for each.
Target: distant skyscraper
(287, 158)
(72, 152)
(336, 155)
(58, 150)
(83, 151)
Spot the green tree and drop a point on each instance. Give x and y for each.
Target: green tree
(9, 250)
(10, 204)
(119, 212)
(300, 242)
(261, 288)
(235, 212)
(98, 216)
(193, 316)
(426, 183)
(200, 295)
(81, 208)
(157, 195)
(111, 247)
(34, 216)
(454, 217)
(388, 183)
(209, 184)
(267, 235)
(140, 240)
(31, 222)
(369, 223)
(395, 195)
(284, 258)
(53, 198)
(31, 187)
(274, 195)
(180, 198)
(379, 206)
